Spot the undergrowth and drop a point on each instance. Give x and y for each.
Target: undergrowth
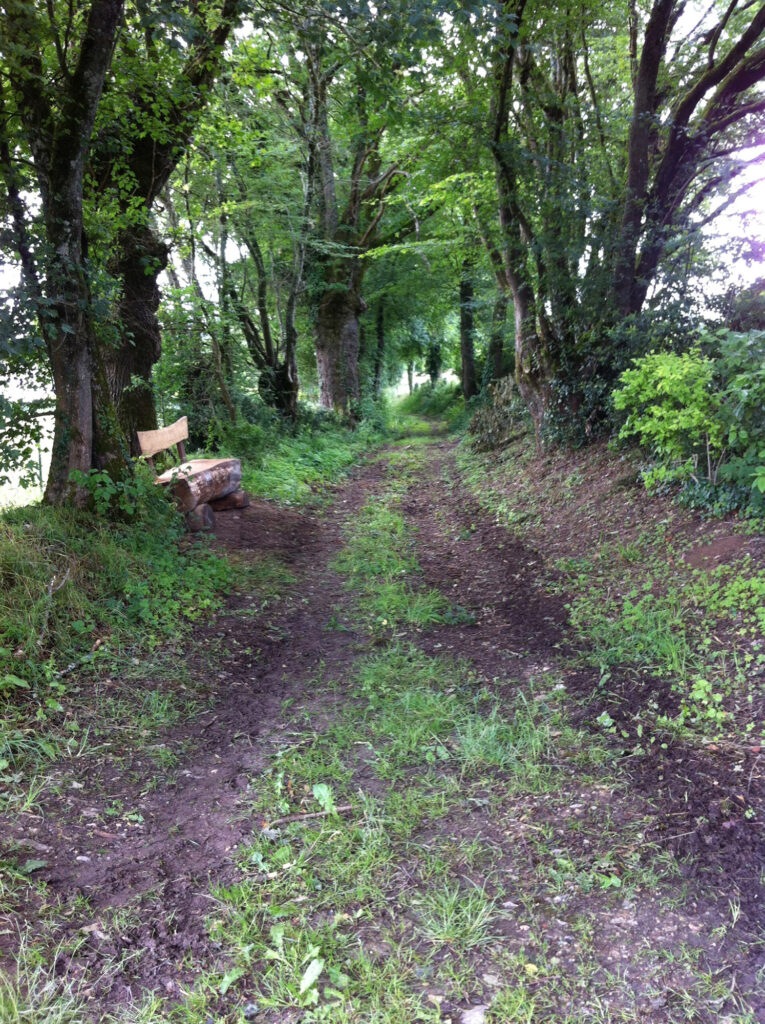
(444, 402)
(80, 597)
(294, 463)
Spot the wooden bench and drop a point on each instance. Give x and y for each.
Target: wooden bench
(200, 487)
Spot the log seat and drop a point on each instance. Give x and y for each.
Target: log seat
(196, 484)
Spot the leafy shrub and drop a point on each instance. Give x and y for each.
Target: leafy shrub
(441, 401)
(576, 414)
(133, 498)
(672, 411)
(702, 418)
(242, 440)
(741, 371)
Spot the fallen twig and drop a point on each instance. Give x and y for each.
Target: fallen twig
(342, 809)
(53, 588)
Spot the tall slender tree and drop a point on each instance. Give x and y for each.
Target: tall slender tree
(52, 84)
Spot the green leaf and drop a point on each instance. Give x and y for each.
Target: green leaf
(11, 680)
(229, 978)
(323, 794)
(32, 865)
(311, 975)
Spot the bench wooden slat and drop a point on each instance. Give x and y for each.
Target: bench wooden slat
(154, 441)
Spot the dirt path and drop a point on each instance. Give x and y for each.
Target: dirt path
(588, 916)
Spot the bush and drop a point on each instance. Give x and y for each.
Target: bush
(701, 416)
(440, 401)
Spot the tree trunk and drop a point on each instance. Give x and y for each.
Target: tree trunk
(337, 349)
(380, 349)
(533, 368)
(291, 387)
(141, 259)
(70, 359)
(86, 431)
(410, 375)
(627, 288)
(205, 480)
(278, 387)
(497, 340)
(467, 331)
(532, 373)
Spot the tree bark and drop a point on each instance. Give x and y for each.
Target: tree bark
(642, 129)
(533, 368)
(337, 349)
(380, 348)
(205, 480)
(497, 339)
(142, 257)
(467, 333)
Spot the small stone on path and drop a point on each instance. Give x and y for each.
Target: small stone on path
(475, 1015)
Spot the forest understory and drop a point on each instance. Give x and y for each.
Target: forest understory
(419, 770)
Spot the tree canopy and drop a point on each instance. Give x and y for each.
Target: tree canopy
(216, 205)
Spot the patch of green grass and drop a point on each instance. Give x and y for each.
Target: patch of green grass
(644, 629)
(381, 566)
(485, 742)
(456, 915)
(294, 466)
(393, 602)
(426, 710)
(513, 1006)
(433, 402)
(76, 595)
(32, 993)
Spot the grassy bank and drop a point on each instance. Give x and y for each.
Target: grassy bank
(295, 463)
(649, 584)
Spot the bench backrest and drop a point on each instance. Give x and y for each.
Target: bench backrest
(154, 441)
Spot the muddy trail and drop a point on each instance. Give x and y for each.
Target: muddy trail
(623, 888)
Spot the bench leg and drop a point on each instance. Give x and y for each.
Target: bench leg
(200, 518)
(238, 499)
